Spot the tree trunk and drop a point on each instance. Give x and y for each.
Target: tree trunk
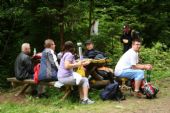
(90, 15)
(91, 3)
(61, 25)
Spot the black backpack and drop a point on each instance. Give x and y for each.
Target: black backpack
(112, 92)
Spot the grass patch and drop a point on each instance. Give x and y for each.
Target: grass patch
(71, 104)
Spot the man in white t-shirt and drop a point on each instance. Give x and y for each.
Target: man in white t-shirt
(128, 66)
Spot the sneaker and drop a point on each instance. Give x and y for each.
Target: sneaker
(138, 94)
(34, 93)
(88, 101)
(43, 95)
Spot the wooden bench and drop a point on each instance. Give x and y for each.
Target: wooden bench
(28, 82)
(123, 85)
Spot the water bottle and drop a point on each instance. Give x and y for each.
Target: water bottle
(148, 75)
(79, 44)
(34, 51)
(80, 53)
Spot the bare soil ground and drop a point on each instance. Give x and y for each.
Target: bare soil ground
(161, 104)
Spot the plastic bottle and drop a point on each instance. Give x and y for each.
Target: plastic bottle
(148, 77)
(79, 44)
(34, 51)
(80, 53)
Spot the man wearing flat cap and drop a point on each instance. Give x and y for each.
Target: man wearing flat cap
(97, 70)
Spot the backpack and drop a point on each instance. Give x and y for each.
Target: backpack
(112, 92)
(149, 90)
(36, 73)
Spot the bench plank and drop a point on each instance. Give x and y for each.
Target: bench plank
(29, 81)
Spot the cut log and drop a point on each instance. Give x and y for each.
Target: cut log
(101, 83)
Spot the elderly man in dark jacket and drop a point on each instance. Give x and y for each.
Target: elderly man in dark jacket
(23, 63)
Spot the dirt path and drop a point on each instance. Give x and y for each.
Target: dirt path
(131, 105)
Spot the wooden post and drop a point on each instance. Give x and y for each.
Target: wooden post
(61, 25)
(67, 91)
(22, 90)
(90, 15)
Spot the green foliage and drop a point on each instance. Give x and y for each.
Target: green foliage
(156, 56)
(35, 20)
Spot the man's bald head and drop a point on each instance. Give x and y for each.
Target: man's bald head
(26, 48)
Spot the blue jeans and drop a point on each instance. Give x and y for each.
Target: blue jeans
(132, 74)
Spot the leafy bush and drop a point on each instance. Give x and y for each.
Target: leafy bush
(33, 21)
(156, 56)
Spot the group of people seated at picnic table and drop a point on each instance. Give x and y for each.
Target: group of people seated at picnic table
(50, 69)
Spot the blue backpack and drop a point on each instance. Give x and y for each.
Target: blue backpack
(112, 92)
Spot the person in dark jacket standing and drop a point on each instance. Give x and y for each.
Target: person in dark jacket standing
(126, 38)
(23, 63)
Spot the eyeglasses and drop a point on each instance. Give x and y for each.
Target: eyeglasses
(138, 44)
